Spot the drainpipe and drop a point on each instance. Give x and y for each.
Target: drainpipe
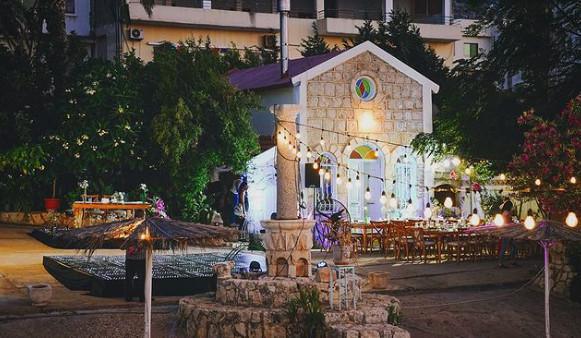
(284, 9)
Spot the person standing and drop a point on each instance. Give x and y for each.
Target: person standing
(134, 265)
(506, 243)
(241, 207)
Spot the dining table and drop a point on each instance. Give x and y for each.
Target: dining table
(130, 207)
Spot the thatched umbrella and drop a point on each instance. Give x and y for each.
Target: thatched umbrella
(153, 233)
(546, 233)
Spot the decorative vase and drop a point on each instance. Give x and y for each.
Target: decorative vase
(39, 294)
(341, 254)
(52, 204)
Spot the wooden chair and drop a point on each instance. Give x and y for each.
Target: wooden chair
(402, 242)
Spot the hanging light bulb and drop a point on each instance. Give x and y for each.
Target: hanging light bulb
(322, 141)
(327, 175)
(299, 154)
(474, 218)
(468, 171)
(456, 161)
(294, 150)
(367, 194)
(315, 165)
(393, 201)
(321, 172)
(357, 180)
(428, 211)
(405, 158)
(338, 179)
(298, 135)
(349, 184)
(538, 182)
(448, 202)
(573, 180)
(498, 220)
(530, 223)
(383, 198)
(376, 153)
(571, 219)
(502, 177)
(348, 148)
(309, 154)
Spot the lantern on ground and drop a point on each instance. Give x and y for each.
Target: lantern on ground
(498, 220)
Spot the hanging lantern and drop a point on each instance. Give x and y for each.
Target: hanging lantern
(448, 202)
(571, 219)
(498, 220)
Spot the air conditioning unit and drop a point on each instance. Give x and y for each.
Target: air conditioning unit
(269, 41)
(135, 34)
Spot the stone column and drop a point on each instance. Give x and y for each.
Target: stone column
(286, 164)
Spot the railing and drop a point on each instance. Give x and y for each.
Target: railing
(180, 3)
(361, 14)
(432, 19)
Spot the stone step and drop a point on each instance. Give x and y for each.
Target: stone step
(367, 331)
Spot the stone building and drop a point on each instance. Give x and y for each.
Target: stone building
(356, 112)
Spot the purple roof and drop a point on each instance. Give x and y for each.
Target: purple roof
(268, 76)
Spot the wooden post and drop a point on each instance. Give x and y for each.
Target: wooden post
(147, 289)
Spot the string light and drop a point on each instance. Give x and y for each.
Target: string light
(357, 180)
(338, 179)
(309, 153)
(393, 201)
(348, 148)
(448, 202)
(367, 194)
(315, 165)
(298, 135)
(376, 153)
(327, 175)
(573, 180)
(383, 198)
(468, 171)
(538, 182)
(474, 218)
(349, 185)
(530, 223)
(571, 219)
(502, 177)
(498, 220)
(321, 172)
(322, 141)
(428, 211)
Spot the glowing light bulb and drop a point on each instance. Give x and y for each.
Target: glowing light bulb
(446, 163)
(383, 198)
(376, 153)
(428, 211)
(456, 161)
(367, 194)
(315, 165)
(327, 175)
(298, 136)
(538, 182)
(468, 171)
(322, 141)
(498, 220)
(348, 148)
(530, 223)
(502, 177)
(349, 184)
(474, 220)
(300, 154)
(573, 180)
(448, 202)
(392, 201)
(571, 219)
(339, 180)
(357, 181)
(309, 154)
(321, 172)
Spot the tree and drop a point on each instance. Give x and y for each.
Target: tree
(314, 44)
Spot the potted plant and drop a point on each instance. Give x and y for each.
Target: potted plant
(340, 236)
(52, 204)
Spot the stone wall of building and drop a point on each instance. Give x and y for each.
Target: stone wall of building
(397, 112)
(562, 273)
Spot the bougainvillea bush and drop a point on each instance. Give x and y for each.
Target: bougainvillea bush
(550, 153)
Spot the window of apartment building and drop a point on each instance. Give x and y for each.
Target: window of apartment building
(470, 49)
(70, 6)
(428, 7)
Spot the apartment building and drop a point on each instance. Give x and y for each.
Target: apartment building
(255, 23)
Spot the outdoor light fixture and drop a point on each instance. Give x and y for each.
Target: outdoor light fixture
(474, 218)
(338, 179)
(327, 175)
(428, 211)
(349, 185)
(322, 141)
(448, 202)
(298, 135)
(393, 201)
(498, 220)
(538, 182)
(376, 152)
(357, 180)
(348, 148)
(502, 177)
(571, 219)
(315, 165)
(321, 172)
(530, 223)
(383, 198)
(456, 161)
(366, 121)
(367, 194)
(309, 154)
(573, 180)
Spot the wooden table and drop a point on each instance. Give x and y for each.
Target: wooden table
(79, 208)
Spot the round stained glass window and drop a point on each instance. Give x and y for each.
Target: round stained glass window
(365, 88)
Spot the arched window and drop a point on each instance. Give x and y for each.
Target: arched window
(405, 177)
(365, 159)
(327, 176)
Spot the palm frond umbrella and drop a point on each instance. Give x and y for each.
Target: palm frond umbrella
(153, 233)
(546, 233)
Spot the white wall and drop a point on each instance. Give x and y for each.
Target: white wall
(80, 21)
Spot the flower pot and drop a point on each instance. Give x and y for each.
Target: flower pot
(341, 254)
(52, 204)
(39, 294)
